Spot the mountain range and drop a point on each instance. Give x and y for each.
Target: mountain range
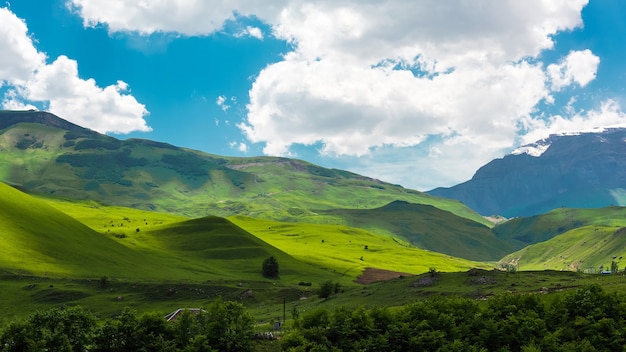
(576, 170)
(45, 154)
(290, 204)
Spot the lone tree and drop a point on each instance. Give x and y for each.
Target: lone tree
(270, 267)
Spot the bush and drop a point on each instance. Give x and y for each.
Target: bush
(328, 288)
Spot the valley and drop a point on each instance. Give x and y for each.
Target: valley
(88, 220)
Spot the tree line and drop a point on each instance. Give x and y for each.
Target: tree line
(222, 326)
(586, 319)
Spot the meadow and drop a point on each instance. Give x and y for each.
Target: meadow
(108, 257)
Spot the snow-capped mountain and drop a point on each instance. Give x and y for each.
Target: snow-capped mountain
(582, 170)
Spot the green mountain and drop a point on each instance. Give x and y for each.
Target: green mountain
(48, 155)
(38, 239)
(428, 227)
(525, 231)
(566, 239)
(44, 154)
(589, 248)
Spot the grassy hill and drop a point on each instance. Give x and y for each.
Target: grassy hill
(427, 227)
(566, 239)
(588, 248)
(37, 239)
(57, 251)
(521, 232)
(82, 164)
(349, 250)
(234, 249)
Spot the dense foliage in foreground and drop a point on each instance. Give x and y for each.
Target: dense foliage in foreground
(588, 319)
(223, 326)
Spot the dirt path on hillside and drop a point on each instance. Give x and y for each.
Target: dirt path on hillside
(370, 275)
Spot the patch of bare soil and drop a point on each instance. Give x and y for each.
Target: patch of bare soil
(370, 275)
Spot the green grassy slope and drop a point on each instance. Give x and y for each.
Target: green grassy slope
(299, 189)
(38, 239)
(221, 250)
(82, 164)
(23, 295)
(348, 250)
(428, 227)
(206, 239)
(586, 248)
(521, 232)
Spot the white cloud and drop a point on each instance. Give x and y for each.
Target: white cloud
(81, 101)
(19, 57)
(579, 66)
(609, 114)
(366, 77)
(11, 101)
(59, 87)
(250, 31)
(187, 17)
(241, 146)
(221, 102)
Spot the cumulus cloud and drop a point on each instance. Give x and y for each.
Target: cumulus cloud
(59, 87)
(364, 77)
(12, 101)
(579, 66)
(19, 57)
(187, 17)
(609, 114)
(107, 109)
(367, 78)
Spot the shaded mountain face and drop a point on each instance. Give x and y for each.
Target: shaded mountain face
(585, 170)
(428, 227)
(43, 153)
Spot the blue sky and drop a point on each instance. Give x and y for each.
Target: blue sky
(418, 93)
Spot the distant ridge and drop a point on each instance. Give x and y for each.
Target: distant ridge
(11, 117)
(430, 228)
(582, 170)
(45, 154)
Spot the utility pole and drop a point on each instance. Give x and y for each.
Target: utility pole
(284, 309)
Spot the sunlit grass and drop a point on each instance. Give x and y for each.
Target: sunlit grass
(585, 249)
(349, 250)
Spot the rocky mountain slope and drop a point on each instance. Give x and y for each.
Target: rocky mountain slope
(584, 170)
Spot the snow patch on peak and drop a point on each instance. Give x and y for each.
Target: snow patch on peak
(535, 149)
